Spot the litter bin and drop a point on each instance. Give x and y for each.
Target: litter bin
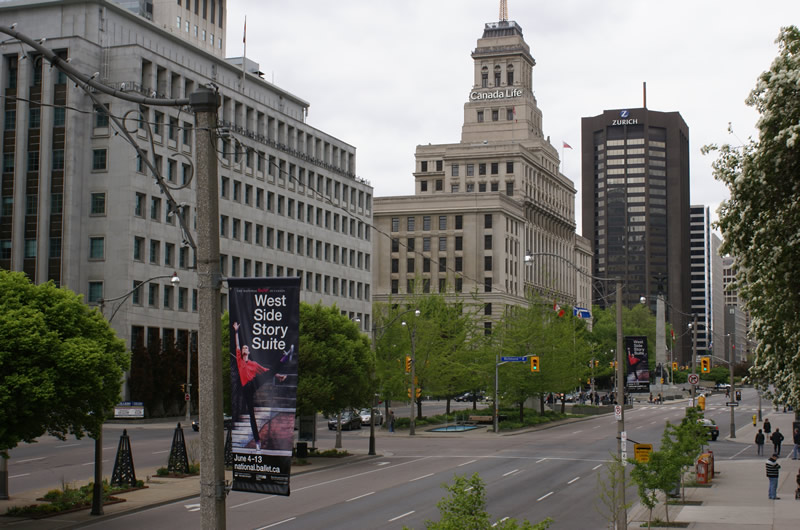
(302, 450)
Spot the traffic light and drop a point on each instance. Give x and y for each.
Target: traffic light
(705, 364)
(534, 363)
(408, 366)
(596, 362)
(183, 387)
(674, 365)
(417, 391)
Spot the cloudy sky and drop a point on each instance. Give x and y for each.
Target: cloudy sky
(388, 75)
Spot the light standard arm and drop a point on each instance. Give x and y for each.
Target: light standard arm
(174, 279)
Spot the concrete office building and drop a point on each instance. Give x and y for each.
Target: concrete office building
(700, 243)
(481, 204)
(737, 318)
(717, 299)
(79, 207)
(635, 171)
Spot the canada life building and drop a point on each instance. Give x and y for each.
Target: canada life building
(79, 207)
(481, 204)
(635, 175)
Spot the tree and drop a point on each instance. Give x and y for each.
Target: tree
(62, 364)
(661, 473)
(760, 222)
(336, 362)
(465, 509)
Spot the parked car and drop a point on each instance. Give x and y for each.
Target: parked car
(470, 396)
(713, 430)
(227, 423)
(350, 420)
(366, 416)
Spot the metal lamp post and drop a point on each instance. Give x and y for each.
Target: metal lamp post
(413, 392)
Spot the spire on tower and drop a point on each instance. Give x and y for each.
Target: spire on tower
(503, 11)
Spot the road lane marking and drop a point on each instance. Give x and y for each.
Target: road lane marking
(465, 463)
(596, 426)
(468, 489)
(276, 524)
(422, 477)
(92, 463)
(544, 496)
(740, 452)
(510, 472)
(192, 507)
(360, 496)
(500, 521)
(159, 452)
(597, 466)
(576, 432)
(30, 460)
(542, 460)
(652, 423)
(383, 463)
(573, 480)
(400, 516)
(65, 446)
(17, 476)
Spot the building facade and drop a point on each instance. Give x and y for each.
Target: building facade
(635, 205)
(80, 207)
(482, 204)
(737, 318)
(700, 259)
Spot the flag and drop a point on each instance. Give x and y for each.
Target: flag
(581, 312)
(565, 145)
(557, 309)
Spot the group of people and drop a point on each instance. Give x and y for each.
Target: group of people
(772, 465)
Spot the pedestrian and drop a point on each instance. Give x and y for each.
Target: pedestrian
(796, 440)
(391, 420)
(760, 438)
(773, 468)
(767, 426)
(777, 440)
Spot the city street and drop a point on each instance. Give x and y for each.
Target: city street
(529, 475)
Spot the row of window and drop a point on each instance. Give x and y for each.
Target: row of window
(493, 167)
(198, 34)
(425, 285)
(411, 222)
(510, 112)
(458, 265)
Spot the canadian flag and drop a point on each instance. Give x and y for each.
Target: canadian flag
(557, 309)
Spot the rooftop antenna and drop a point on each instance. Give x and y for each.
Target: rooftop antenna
(503, 11)
(644, 94)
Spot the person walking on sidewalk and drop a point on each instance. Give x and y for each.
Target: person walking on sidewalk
(760, 438)
(767, 426)
(796, 440)
(777, 440)
(773, 468)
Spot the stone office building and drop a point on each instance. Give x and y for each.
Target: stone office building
(481, 204)
(78, 205)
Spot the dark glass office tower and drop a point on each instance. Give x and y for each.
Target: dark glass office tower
(635, 204)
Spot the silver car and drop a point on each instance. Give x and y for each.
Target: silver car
(365, 416)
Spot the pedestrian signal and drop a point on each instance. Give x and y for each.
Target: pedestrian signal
(705, 364)
(534, 363)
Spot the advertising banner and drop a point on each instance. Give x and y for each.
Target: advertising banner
(638, 370)
(264, 334)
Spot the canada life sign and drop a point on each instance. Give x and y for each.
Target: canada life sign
(496, 94)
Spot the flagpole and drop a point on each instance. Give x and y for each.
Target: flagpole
(244, 52)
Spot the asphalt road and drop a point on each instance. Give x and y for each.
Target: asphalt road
(533, 475)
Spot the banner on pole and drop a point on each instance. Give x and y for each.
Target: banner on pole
(638, 370)
(264, 334)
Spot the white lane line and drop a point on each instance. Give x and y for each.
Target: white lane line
(192, 507)
(500, 521)
(542, 460)
(544, 496)
(573, 480)
(65, 446)
(468, 489)
(92, 463)
(652, 423)
(30, 460)
(17, 476)
(422, 477)
(510, 472)
(360, 496)
(159, 452)
(401, 516)
(576, 432)
(596, 426)
(276, 524)
(465, 463)
(597, 466)
(740, 452)
(383, 463)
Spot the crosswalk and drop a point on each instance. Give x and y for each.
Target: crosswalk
(683, 407)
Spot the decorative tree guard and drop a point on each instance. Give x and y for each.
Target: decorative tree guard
(124, 474)
(178, 460)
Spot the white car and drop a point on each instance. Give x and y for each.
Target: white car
(365, 416)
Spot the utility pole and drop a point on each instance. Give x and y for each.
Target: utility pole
(205, 103)
(733, 384)
(622, 513)
(411, 430)
(694, 354)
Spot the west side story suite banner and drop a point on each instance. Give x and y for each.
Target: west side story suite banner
(638, 378)
(264, 333)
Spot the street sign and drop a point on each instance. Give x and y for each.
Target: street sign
(694, 379)
(618, 412)
(732, 404)
(186, 397)
(624, 459)
(641, 452)
(513, 359)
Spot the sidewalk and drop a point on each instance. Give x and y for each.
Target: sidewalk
(159, 491)
(737, 497)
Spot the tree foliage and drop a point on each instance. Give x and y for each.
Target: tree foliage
(760, 222)
(61, 364)
(336, 362)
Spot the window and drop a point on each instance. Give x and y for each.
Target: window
(442, 244)
(30, 248)
(495, 168)
(487, 263)
(426, 244)
(459, 265)
(395, 286)
(99, 161)
(510, 189)
(58, 159)
(426, 264)
(33, 161)
(423, 185)
(426, 222)
(155, 246)
(96, 248)
(495, 115)
(152, 294)
(459, 243)
(59, 116)
(480, 116)
(459, 285)
(395, 265)
(10, 122)
(487, 241)
(155, 208)
(31, 204)
(439, 185)
(510, 114)
(487, 220)
(410, 265)
(395, 224)
(98, 206)
(410, 244)
(8, 162)
(410, 224)
(169, 254)
(423, 166)
(459, 222)
(442, 222)
(138, 204)
(34, 117)
(442, 264)
(509, 167)
(138, 248)
(481, 169)
(487, 284)
(95, 292)
(5, 249)
(487, 309)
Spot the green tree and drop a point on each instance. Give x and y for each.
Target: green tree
(465, 509)
(61, 364)
(661, 473)
(760, 222)
(685, 441)
(336, 362)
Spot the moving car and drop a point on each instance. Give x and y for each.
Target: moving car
(713, 430)
(366, 416)
(470, 396)
(350, 420)
(227, 423)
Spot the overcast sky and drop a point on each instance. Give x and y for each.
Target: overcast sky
(388, 75)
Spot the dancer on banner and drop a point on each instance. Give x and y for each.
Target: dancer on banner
(251, 375)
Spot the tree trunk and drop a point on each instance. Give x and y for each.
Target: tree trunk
(447, 409)
(521, 412)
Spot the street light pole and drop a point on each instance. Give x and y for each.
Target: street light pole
(622, 514)
(413, 329)
(733, 384)
(694, 355)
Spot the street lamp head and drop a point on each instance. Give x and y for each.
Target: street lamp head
(642, 299)
(403, 323)
(528, 257)
(416, 313)
(175, 280)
